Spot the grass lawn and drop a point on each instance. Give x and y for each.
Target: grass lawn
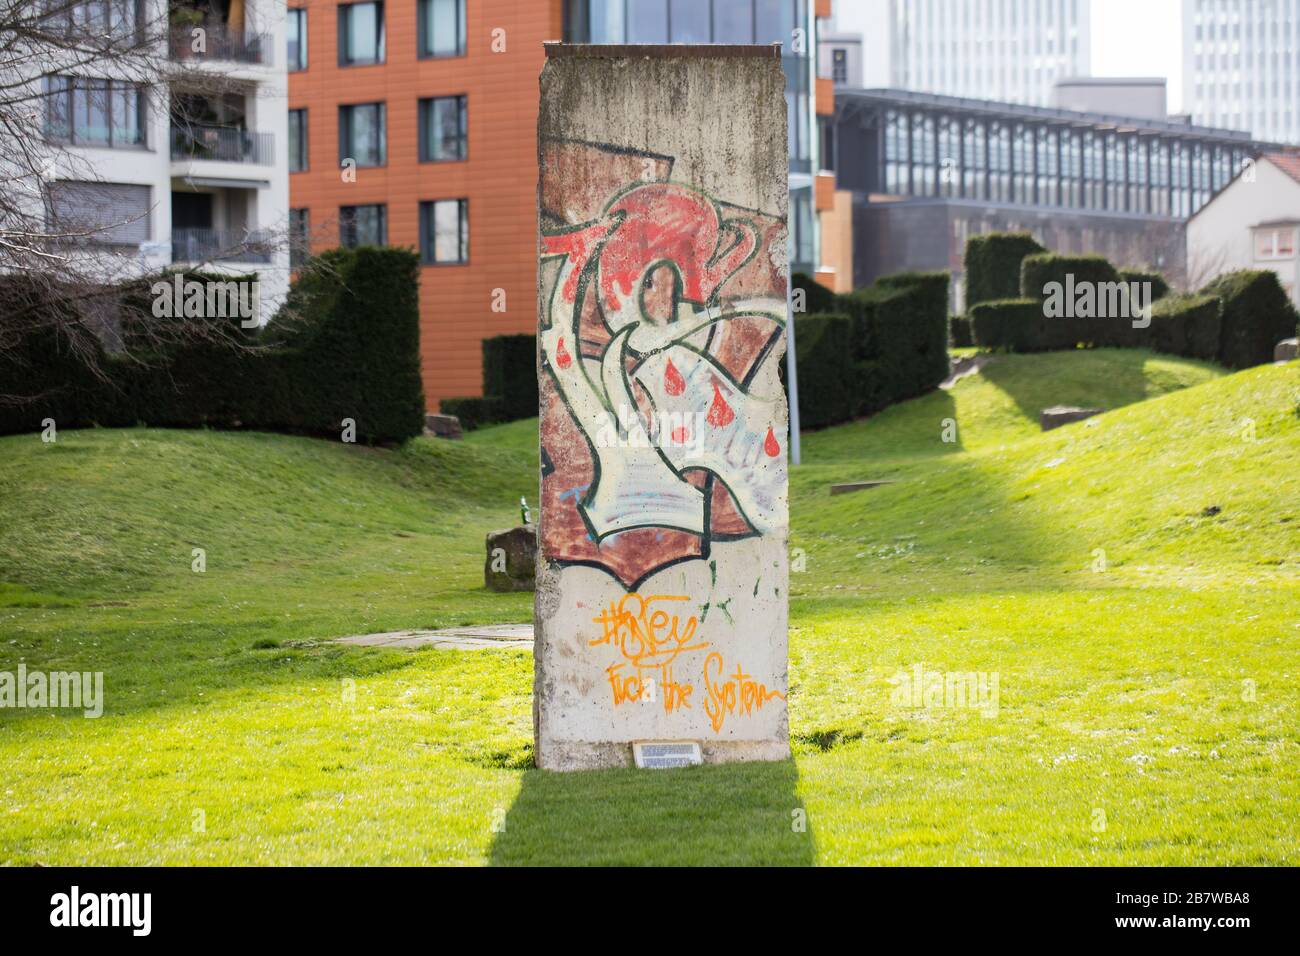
(1134, 582)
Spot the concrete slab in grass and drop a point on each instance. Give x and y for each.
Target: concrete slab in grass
(481, 637)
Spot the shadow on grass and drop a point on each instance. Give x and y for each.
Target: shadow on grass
(911, 428)
(1094, 378)
(730, 814)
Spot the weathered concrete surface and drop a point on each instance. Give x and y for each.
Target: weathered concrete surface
(477, 638)
(1059, 415)
(1286, 350)
(511, 562)
(662, 573)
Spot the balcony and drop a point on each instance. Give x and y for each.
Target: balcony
(222, 144)
(221, 45)
(220, 245)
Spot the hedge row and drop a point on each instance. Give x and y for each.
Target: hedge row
(1069, 301)
(884, 344)
(991, 263)
(350, 351)
(509, 384)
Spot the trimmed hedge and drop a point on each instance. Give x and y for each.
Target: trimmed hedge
(991, 262)
(351, 350)
(1040, 269)
(882, 345)
(824, 358)
(817, 298)
(477, 411)
(510, 373)
(959, 333)
(1256, 316)
(1016, 324)
(1159, 287)
(1187, 325)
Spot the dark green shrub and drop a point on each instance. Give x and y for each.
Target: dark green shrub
(345, 346)
(1040, 269)
(1083, 299)
(817, 298)
(1014, 324)
(477, 411)
(1159, 287)
(959, 334)
(510, 373)
(824, 359)
(1256, 316)
(991, 263)
(1187, 325)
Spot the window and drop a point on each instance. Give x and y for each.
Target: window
(297, 140)
(441, 27)
(299, 237)
(1275, 243)
(690, 21)
(88, 112)
(839, 65)
(110, 213)
(297, 31)
(119, 19)
(363, 225)
(361, 134)
(361, 34)
(444, 231)
(443, 129)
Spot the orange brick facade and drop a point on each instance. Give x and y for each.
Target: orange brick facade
(498, 178)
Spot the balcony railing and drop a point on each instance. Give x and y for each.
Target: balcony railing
(225, 144)
(219, 44)
(220, 245)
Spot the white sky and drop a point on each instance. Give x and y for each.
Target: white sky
(1139, 38)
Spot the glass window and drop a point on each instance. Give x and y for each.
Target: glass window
(441, 26)
(299, 236)
(775, 23)
(690, 21)
(297, 140)
(363, 225)
(607, 23)
(444, 231)
(733, 22)
(362, 135)
(92, 112)
(647, 22)
(443, 129)
(297, 31)
(361, 34)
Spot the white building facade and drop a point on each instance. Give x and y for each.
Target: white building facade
(1253, 223)
(185, 170)
(1241, 66)
(1012, 51)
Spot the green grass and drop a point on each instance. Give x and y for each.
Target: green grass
(1159, 691)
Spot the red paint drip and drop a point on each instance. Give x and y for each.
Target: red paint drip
(771, 445)
(562, 357)
(720, 412)
(674, 384)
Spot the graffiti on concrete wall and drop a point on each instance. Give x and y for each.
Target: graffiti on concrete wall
(661, 306)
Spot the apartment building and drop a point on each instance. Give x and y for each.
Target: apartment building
(1013, 51)
(414, 123)
(1241, 65)
(185, 168)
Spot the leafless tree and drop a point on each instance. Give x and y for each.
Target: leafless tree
(60, 269)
